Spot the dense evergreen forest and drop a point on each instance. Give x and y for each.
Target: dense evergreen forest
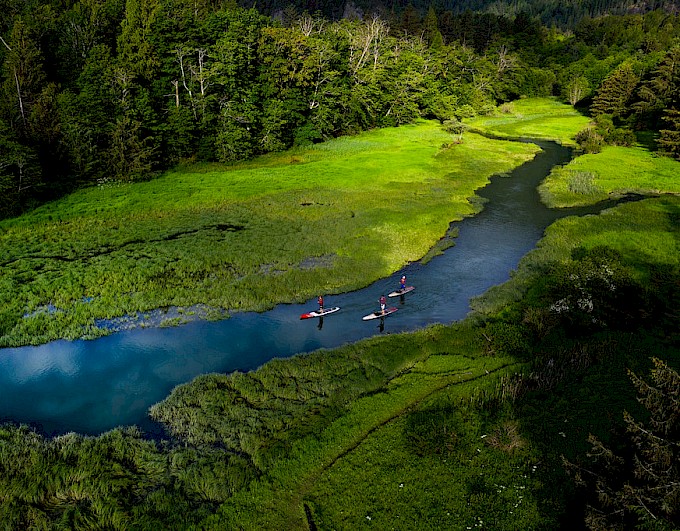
(105, 90)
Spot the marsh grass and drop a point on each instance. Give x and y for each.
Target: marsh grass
(616, 171)
(407, 431)
(331, 217)
(415, 402)
(583, 182)
(542, 118)
(443, 428)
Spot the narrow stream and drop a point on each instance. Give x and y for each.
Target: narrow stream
(93, 386)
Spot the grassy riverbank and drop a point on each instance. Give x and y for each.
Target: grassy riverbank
(589, 178)
(541, 118)
(457, 427)
(614, 171)
(435, 429)
(282, 228)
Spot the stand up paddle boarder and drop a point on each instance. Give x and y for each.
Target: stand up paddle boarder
(402, 283)
(320, 301)
(383, 302)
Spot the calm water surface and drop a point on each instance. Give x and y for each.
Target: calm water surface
(93, 386)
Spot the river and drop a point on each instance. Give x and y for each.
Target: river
(93, 386)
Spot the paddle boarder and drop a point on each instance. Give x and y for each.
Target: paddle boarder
(383, 302)
(320, 301)
(402, 283)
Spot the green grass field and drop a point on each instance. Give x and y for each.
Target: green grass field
(613, 172)
(541, 118)
(282, 228)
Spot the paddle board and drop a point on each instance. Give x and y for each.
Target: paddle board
(378, 314)
(318, 313)
(401, 291)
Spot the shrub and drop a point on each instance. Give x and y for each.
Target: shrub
(507, 339)
(589, 140)
(593, 291)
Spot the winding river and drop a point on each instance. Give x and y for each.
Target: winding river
(93, 386)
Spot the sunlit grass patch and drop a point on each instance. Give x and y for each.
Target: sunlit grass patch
(545, 118)
(243, 237)
(616, 170)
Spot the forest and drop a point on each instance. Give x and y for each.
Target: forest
(555, 405)
(96, 92)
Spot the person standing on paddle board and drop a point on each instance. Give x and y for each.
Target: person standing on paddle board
(402, 283)
(383, 302)
(320, 301)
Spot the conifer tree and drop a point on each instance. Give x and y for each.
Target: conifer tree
(669, 137)
(656, 92)
(615, 92)
(431, 30)
(639, 487)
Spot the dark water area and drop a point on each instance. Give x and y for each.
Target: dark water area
(93, 386)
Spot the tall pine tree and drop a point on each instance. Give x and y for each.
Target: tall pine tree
(615, 92)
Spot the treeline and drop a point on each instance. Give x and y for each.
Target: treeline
(101, 90)
(559, 13)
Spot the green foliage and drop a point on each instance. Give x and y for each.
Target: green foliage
(615, 92)
(118, 480)
(603, 132)
(669, 139)
(589, 140)
(576, 89)
(121, 89)
(441, 428)
(507, 339)
(425, 429)
(593, 291)
(535, 82)
(636, 485)
(657, 90)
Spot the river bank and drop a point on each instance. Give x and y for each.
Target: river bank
(331, 218)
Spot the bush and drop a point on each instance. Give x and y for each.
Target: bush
(507, 339)
(603, 131)
(594, 291)
(589, 140)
